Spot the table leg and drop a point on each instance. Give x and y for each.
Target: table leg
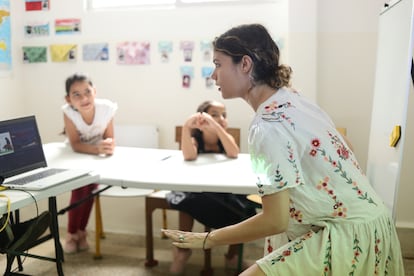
(16, 220)
(98, 228)
(54, 229)
(150, 261)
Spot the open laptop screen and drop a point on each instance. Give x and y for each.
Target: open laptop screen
(20, 146)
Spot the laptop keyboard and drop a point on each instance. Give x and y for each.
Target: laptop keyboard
(36, 176)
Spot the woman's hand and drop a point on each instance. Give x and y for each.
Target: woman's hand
(183, 239)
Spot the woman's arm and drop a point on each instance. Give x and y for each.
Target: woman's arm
(273, 219)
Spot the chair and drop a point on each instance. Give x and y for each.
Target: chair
(144, 136)
(157, 200)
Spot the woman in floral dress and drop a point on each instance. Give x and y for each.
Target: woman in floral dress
(314, 194)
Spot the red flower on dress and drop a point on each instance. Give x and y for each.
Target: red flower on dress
(316, 143)
(286, 253)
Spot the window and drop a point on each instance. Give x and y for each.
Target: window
(114, 4)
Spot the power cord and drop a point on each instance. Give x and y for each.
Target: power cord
(8, 212)
(32, 196)
(7, 221)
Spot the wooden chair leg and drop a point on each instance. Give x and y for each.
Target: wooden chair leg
(152, 203)
(99, 234)
(150, 206)
(164, 223)
(207, 269)
(240, 260)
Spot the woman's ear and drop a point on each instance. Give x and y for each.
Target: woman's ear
(246, 63)
(67, 98)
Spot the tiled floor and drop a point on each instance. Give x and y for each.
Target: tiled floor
(125, 255)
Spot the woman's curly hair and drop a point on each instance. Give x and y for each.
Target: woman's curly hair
(254, 41)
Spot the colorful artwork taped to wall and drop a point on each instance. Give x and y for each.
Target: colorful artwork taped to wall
(63, 52)
(37, 5)
(34, 54)
(165, 48)
(96, 52)
(187, 73)
(36, 29)
(67, 26)
(187, 47)
(132, 52)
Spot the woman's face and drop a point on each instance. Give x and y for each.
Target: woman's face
(81, 96)
(229, 77)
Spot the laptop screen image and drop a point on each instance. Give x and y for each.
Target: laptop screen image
(20, 146)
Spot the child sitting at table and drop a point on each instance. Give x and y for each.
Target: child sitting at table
(89, 128)
(205, 132)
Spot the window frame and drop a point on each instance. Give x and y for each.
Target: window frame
(92, 5)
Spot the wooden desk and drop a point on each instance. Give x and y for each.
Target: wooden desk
(20, 199)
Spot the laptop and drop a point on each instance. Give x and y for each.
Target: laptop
(22, 160)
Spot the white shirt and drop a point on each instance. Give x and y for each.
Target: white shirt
(92, 133)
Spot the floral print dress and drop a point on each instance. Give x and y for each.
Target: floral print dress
(338, 224)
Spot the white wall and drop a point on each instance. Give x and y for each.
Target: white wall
(146, 94)
(11, 103)
(404, 200)
(347, 39)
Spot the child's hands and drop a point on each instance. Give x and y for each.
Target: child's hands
(202, 121)
(106, 146)
(207, 122)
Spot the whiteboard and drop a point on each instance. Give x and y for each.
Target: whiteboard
(391, 90)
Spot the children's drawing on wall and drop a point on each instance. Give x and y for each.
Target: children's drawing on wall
(36, 29)
(67, 26)
(95, 52)
(165, 49)
(187, 47)
(133, 53)
(37, 5)
(63, 52)
(206, 74)
(206, 48)
(34, 54)
(187, 73)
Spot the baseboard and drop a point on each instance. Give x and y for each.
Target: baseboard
(404, 224)
(406, 236)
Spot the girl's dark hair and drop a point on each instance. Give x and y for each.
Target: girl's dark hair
(75, 78)
(204, 106)
(255, 41)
